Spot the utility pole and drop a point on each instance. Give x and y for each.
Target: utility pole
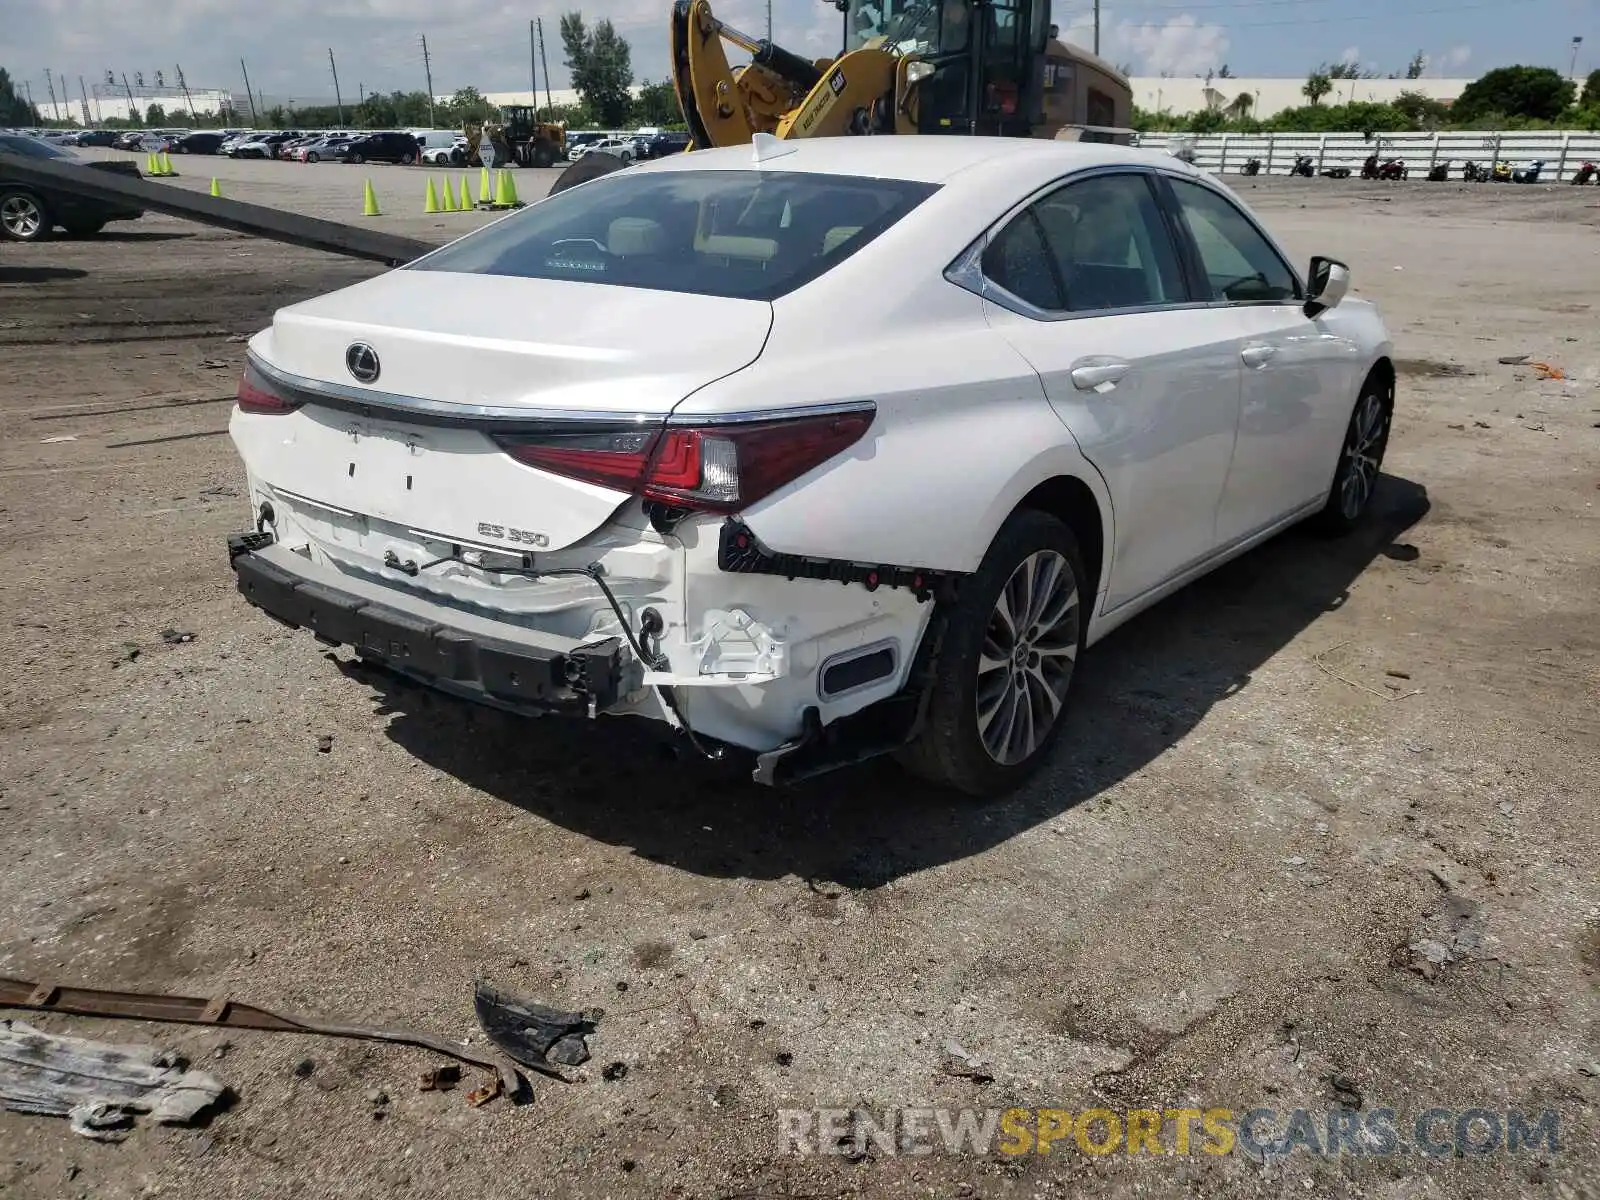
(187, 99)
(84, 92)
(134, 116)
(1097, 26)
(337, 98)
(533, 69)
(427, 67)
(50, 84)
(545, 63)
(248, 95)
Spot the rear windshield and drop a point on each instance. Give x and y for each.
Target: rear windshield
(749, 235)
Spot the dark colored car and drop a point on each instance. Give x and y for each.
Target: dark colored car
(198, 143)
(660, 145)
(129, 139)
(383, 147)
(30, 213)
(98, 137)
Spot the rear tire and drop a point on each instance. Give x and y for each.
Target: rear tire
(407, 159)
(590, 166)
(1005, 668)
(24, 217)
(1360, 461)
(355, 160)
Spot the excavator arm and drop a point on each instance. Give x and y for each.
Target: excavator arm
(779, 92)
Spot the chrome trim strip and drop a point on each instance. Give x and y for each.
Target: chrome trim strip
(344, 396)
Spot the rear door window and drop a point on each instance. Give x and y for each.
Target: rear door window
(752, 235)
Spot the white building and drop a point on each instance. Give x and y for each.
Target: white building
(107, 103)
(560, 97)
(1180, 97)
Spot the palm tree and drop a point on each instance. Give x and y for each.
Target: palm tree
(1317, 86)
(1241, 106)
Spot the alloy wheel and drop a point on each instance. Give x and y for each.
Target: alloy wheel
(21, 217)
(1029, 649)
(1363, 455)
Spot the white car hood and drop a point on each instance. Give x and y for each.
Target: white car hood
(504, 342)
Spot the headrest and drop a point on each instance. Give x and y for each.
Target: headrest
(838, 236)
(635, 235)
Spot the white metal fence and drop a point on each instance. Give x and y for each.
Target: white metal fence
(1563, 152)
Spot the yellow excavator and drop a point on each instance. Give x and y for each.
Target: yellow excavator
(990, 67)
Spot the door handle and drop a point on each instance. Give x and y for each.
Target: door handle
(1258, 356)
(1098, 376)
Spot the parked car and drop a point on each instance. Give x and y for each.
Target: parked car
(130, 139)
(869, 503)
(452, 155)
(659, 145)
(317, 149)
(97, 137)
(617, 147)
(383, 147)
(30, 213)
(267, 145)
(200, 142)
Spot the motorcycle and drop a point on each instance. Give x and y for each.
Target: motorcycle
(1529, 173)
(1303, 165)
(1474, 173)
(1584, 174)
(1252, 166)
(1439, 172)
(1393, 168)
(1335, 172)
(1501, 172)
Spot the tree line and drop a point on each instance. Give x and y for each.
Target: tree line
(1508, 98)
(598, 59)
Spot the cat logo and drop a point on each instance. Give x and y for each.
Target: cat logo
(820, 104)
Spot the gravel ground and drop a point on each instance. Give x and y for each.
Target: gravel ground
(1321, 833)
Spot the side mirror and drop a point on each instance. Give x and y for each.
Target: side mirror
(1328, 281)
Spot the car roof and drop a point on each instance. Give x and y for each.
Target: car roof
(926, 159)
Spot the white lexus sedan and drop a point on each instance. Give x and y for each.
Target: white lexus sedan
(818, 449)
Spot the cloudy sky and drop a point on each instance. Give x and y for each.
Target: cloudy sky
(484, 42)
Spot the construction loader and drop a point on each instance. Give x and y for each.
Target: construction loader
(988, 67)
(519, 138)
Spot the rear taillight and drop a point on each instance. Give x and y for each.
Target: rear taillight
(714, 468)
(257, 396)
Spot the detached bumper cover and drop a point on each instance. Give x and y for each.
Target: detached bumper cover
(574, 676)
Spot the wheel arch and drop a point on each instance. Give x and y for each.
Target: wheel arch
(1074, 503)
(1382, 371)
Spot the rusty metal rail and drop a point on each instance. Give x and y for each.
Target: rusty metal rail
(232, 1014)
(255, 219)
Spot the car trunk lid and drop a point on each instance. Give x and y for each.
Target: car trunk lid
(477, 353)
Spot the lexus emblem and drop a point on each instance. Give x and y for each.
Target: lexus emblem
(361, 360)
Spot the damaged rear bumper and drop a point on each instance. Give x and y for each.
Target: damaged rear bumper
(538, 672)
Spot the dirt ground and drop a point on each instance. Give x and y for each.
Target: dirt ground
(1322, 831)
